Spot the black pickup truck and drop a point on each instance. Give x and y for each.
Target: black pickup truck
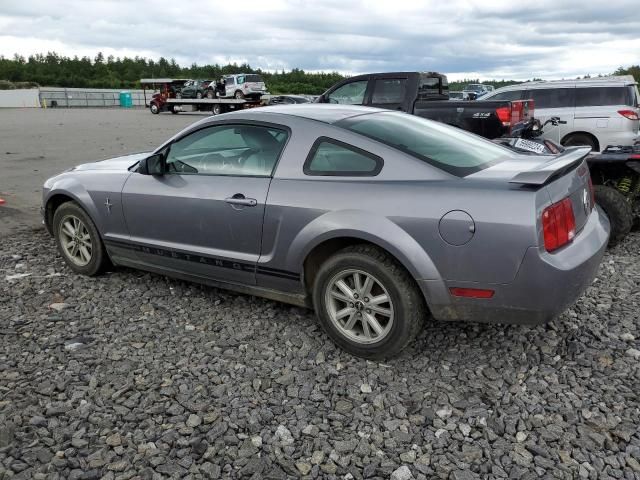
(426, 94)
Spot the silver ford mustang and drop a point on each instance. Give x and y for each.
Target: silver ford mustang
(376, 219)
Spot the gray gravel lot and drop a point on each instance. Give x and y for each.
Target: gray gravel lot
(133, 375)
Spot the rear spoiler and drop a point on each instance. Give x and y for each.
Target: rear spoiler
(552, 168)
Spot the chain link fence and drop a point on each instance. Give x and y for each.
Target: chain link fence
(54, 97)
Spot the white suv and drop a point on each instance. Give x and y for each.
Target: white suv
(597, 111)
(244, 85)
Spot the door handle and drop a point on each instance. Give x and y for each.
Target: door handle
(240, 199)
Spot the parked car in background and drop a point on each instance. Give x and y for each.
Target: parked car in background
(287, 99)
(473, 91)
(372, 217)
(426, 94)
(193, 89)
(244, 85)
(596, 112)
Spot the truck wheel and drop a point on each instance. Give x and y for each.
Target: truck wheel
(580, 139)
(154, 108)
(617, 208)
(368, 303)
(174, 110)
(239, 95)
(217, 109)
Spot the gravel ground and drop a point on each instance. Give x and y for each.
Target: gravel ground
(133, 375)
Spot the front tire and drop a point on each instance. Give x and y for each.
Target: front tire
(239, 95)
(154, 108)
(368, 303)
(78, 240)
(618, 209)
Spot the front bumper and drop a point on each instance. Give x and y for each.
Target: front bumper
(546, 283)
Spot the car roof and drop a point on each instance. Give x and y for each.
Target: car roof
(614, 81)
(320, 112)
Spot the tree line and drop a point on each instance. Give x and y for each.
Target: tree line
(53, 70)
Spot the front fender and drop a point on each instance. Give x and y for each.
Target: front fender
(368, 227)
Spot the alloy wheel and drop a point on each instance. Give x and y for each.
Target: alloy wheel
(359, 306)
(75, 240)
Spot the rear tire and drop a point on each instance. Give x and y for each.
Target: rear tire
(618, 209)
(178, 95)
(199, 95)
(210, 95)
(78, 240)
(395, 322)
(581, 139)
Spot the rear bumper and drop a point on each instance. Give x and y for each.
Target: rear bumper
(545, 285)
(622, 137)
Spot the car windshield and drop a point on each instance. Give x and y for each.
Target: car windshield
(448, 148)
(253, 78)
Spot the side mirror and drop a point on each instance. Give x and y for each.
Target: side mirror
(153, 165)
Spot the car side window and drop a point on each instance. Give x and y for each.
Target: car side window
(239, 150)
(329, 157)
(603, 96)
(240, 80)
(350, 94)
(388, 90)
(509, 96)
(230, 81)
(551, 97)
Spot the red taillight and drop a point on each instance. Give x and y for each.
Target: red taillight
(635, 156)
(558, 225)
(630, 114)
(471, 292)
(504, 115)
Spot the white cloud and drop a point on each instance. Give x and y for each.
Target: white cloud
(489, 39)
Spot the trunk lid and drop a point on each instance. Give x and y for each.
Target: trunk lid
(559, 176)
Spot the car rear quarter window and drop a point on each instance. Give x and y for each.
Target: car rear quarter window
(551, 97)
(388, 90)
(329, 157)
(447, 148)
(602, 96)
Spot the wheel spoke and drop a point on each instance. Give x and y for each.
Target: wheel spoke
(351, 321)
(344, 312)
(86, 256)
(68, 229)
(344, 288)
(371, 320)
(381, 310)
(366, 288)
(379, 299)
(339, 296)
(365, 329)
(357, 282)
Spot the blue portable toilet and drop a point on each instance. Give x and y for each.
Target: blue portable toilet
(126, 100)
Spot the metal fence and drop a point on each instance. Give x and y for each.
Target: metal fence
(89, 97)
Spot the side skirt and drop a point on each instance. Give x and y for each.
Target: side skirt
(278, 296)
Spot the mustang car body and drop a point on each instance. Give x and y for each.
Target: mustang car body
(376, 219)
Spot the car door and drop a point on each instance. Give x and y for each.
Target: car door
(204, 216)
(230, 86)
(350, 93)
(554, 102)
(388, 93)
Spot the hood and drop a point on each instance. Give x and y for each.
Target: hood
(113, 164)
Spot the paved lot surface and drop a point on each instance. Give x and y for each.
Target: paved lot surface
(133, 375)
(36, 144)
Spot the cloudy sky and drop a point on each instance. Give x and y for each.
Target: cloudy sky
(464, 39)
